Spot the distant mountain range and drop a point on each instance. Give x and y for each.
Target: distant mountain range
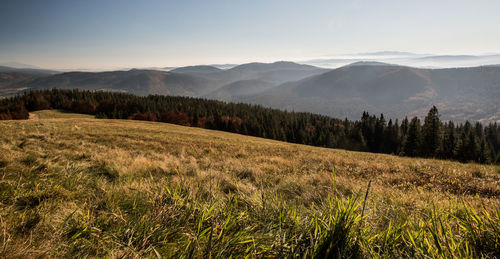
(394, 90)
(27, 71)
(409, 59)
(185, 81)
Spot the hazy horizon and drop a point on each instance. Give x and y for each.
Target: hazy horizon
(99, 35)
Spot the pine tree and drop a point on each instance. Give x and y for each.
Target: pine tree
(404, 126)
(379, 134)
(368, 130)
(484, 155)
(468, 148)
(472, 147)
(461, 154)
(412, 142)
(449, 143)
(431, 135)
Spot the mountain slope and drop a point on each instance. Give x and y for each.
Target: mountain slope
(232, 90)
(31, 71)
(10, 77)
(396, 91)
(140, 82)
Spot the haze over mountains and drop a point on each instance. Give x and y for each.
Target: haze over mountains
(408, 59)
(394, 90)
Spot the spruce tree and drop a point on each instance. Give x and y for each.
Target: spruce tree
(379, 134)
(404, 126)
(472, 147)
(461, 154)
(449, 143)
(484, 155)
(412, 143)
(431, 136)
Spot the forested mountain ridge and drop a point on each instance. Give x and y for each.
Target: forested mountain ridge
(397, 91)
(135, 81)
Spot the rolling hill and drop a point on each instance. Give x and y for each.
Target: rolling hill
(135, 81)
(277, 72)
(30, 71)
(187, 81)
(75, 186)
(11, 77)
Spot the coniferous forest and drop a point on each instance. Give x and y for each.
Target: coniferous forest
(411, 137)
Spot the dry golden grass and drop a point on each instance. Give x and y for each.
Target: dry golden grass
(76, 186)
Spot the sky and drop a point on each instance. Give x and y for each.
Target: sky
(110, 34)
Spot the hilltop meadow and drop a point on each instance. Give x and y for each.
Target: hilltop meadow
(75, 186)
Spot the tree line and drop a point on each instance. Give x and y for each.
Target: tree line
(433, 138)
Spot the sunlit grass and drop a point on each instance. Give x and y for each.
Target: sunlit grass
(76, 186)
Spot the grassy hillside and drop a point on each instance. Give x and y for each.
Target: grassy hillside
(76, 186)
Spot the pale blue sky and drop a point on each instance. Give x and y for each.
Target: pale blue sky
(131, 33)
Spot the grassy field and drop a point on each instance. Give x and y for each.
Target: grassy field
(76, 186)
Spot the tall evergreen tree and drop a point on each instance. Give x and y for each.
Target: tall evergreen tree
(449, 142)
(379, 134)
(462, 151)
(484, 155)
(412, 142)
(472, 147)
(431, 133)
(404, 126)
(468, 148)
